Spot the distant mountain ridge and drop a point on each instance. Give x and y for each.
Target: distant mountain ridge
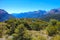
(43, 15)
(34, 14)
(55, 11)
(40, 14)
(52, 14)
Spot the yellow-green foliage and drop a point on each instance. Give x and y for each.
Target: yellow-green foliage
(30, 29)
(52, 27)
(38, 38)
(2, 28)
(57, 37)
(34, 35)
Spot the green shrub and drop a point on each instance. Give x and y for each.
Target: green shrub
(57, 37)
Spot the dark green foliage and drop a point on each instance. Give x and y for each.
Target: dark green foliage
(27, 26)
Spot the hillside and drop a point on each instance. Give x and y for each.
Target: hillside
(30, 29)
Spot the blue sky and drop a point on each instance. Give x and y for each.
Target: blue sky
(17, 6)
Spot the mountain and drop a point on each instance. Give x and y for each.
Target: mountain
(34, 14)
(43, 15)
(54, 11)
(40, 14)
(52, 14)
(4, 15)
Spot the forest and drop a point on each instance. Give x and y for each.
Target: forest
(30, 29)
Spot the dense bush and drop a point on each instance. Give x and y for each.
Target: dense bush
(57, 37)
(29, 29)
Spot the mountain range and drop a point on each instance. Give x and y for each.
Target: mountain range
(34, 14)
(40, 14)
